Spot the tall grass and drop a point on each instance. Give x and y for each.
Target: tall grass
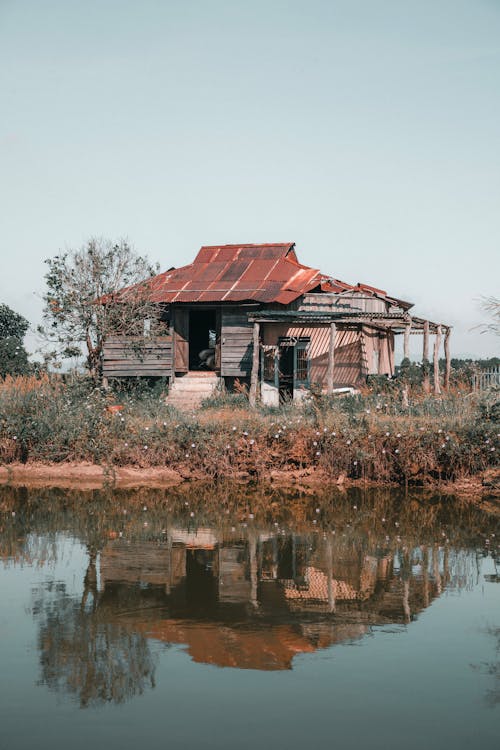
(370, 436)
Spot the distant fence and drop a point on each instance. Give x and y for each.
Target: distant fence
(486, 379)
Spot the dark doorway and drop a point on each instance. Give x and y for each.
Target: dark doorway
(201, 583)
(202, 339)
(285, 373)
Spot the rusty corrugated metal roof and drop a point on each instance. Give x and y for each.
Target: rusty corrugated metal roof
(238, 273)
(249, 273)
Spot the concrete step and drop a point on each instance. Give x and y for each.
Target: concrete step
(193, 386)
(188, 391)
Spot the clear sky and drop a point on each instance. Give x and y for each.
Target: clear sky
(367, 131)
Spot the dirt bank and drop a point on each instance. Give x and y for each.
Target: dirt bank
(93, 476)
(86, 476)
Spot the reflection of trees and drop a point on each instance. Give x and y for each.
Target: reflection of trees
(83, 653)
(492, 668)
(367, 556)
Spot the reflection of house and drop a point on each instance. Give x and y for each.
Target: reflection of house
(256, 602)
(254, 312)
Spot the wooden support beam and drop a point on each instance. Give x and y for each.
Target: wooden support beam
(329, 569)
(254, 377)
(426, 381)
(448, 358)
(406, 346)
(254, 570)
(331, 360)
(437, 345)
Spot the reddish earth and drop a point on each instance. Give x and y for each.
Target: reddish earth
(92, 476)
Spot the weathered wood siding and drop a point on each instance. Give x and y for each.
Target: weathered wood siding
(236, 345)
(346, 302)
(379, 348)
(120, 359)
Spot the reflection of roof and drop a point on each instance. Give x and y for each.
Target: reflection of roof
(224, 646)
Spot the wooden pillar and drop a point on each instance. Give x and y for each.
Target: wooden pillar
(425, 575)
(406, 346)
(437, 344)
(254, 377)
(435, 569)
(426, 382)
(331, 359)
(254, 578)
(329, 568)
(448, 358)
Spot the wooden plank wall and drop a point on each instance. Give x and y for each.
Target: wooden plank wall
(326, 302)
(381, 342)
(236, 344)
(120, 359)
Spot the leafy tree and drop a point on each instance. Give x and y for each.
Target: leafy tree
(98, 290)
(13, 355)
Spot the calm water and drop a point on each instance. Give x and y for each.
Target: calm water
(159, 620)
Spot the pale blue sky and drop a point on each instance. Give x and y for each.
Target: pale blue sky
(367, 131)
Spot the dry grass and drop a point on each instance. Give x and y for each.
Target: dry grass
(367, 437)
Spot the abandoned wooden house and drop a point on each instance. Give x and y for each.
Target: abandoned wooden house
(253, 313)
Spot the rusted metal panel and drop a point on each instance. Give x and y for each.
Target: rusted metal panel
(349, 369)
(236, 273)
(268, 273)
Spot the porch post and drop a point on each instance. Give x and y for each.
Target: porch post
(254, 377)
(437, 344)
(426, 382)
(406, 348)
(331, 359)
(448, 358)
(329, 568)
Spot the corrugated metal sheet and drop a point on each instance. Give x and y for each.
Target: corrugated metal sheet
(266, 273)
(238, 273)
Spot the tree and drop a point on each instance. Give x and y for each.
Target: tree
(98, 290)
(13, 355)
(491, 305)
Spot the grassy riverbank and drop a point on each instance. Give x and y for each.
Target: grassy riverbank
(372, 437)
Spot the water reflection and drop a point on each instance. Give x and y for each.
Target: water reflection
(85, 653)
(235, 588)
(255, 599)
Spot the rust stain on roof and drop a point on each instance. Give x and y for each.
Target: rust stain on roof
(238, 273)
(249, 273)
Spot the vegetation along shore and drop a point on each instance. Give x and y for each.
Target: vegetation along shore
(57, 430)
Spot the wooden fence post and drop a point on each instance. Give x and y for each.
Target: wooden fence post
(254, 377)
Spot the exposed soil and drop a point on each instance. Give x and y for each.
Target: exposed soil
(92, 476)
(86, 476)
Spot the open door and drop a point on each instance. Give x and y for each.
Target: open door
(288, 365)
(181, 340)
